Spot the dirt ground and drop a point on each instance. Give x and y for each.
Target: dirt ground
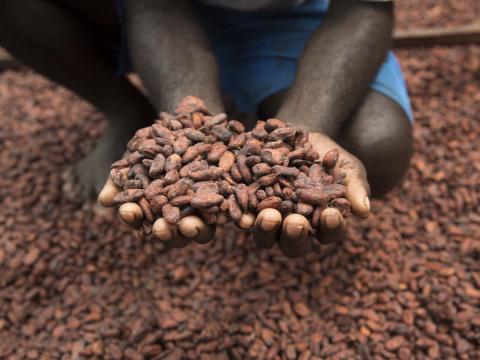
(75, 283)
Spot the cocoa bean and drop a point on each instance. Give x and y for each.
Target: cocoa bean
(226, 161)
(234, 209)
(157, 203)
(236, 126)
(130, 195)
(195, 135)
(330, 158)
(181, 201)
(270, 203)
(171, 213)
(158, 165)
(173, 162)
(218, 149)
(241, 193)
(204, 201)
(171, 176)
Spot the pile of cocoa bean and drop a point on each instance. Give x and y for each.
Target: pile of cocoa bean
(192, 162)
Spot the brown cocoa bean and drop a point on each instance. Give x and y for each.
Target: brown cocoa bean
(162, 132)
(211, 173)
(268, 180)
(253, 160)
(158, 165)
(237, 142)
(197, 120)
(253, 147)
(191, 104)
(133, 184)
(271, 156)
(130, 195)
(236, 126)
(342, 205)
(241, 193)
(270, 203)
(119, 177)
(270, 192)
(285, 134)
(177, 189)
(180, 145)
(157, 203)
(334, 191)
(171, 213)
(193, 151)
(181, 201)
(211, 210)
(273, 124)
(285, 170)
(154, 188)
(195, 135)
(312, 196)
(147, 212)
(226, 161)
(236, 175)
(252, 202)
(204, 201)
(304, 209)
(234, 209)
(261, 169)
(259, 131)
(244, 169)
(172, 176)
(173, 162)
(215, 120)
(330, 158)
(221, 132)
(218, 149)
(286, 207)
(277, 189)
(261, 195)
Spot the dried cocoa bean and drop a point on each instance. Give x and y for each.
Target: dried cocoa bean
(171, 213)
(204, 201)
(270, 203)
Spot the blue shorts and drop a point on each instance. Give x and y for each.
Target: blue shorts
(258, 52)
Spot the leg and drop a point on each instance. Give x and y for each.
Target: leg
(60, 44)
(378, 133)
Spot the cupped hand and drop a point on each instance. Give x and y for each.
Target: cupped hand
(188, 229)
(292, 232)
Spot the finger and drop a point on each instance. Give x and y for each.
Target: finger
(164, 231)
(294, 239)
(194, 228)
(267, 228)
(246, 221)
(358, 191)
(332, 226)
(110, 189)
(132, 214)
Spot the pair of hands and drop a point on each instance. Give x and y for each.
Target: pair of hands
(269, 228)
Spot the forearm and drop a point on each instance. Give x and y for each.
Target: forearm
(171, 52)
(338, 63)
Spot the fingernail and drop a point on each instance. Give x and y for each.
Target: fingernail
(331, 221)
(294, 229)
(268, 224)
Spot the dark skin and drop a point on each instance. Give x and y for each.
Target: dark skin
(330, 96)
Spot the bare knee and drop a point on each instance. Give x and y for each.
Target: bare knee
(380, 135)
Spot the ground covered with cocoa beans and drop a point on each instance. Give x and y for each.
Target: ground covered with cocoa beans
(76, 283)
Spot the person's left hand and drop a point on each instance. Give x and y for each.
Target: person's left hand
(292, 233)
